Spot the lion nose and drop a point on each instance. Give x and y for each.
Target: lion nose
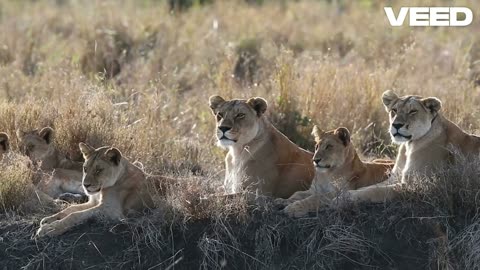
(87, 185)
(317, 160)
(397, 126)
(224, 129)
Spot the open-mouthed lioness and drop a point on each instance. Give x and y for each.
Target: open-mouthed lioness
(65, 175)
(115, 187)
(4, 144)
(338, 167)
(427, 141)
(260, 158)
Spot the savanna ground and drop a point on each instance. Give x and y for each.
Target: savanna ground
(137, 76)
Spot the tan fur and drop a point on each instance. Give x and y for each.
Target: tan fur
(115, 187)
(338, 167)
(64, 175)
(433, 138)
(259, 158)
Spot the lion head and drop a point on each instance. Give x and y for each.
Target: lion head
(101, 169)
(4, 144)
(411, 117)
(238, 121)
(331, 148)
(37, 145)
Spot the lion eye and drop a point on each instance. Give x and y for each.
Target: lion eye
(412, 112)
(393, 112)
(240, 116)
(98, 171)
(329, 146)
(219, 116)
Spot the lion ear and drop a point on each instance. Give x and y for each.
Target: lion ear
(114, 155)
(215, 102)
(432, 103)
(388, 98)
(4, 142)
(343, 134)
(47, 134)
(258, 104)
(86, 150)
(317, 132)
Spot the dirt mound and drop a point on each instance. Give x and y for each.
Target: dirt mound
(366, 237)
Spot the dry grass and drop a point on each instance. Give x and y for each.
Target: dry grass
(134, 75)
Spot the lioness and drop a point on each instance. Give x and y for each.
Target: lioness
(259, 156)
(66, 175)
(337, 167)
(39, 147)
(114, 186)
(4, 144)
(426, 141)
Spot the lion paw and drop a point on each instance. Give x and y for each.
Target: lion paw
(48, 230)
(281, 202)
(49, 219)
(295, 210)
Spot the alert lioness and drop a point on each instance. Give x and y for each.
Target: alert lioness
(115, 187)
(337, 166)
(426, 141)
(4, 144)
(259, 157)
(66, 175)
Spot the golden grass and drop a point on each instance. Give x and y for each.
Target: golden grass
(315, 63)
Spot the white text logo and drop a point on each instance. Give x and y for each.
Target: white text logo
(431, 16)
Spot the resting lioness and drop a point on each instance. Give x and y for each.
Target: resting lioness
(66, 175)
(259, 158)
(426, 140)
(4, 144)
(39, 147)
(114, 186)
(337, 167)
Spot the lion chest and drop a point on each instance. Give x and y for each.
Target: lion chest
(246, 169)
(424, 160)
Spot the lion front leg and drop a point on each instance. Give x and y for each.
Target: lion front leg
(376, 194)
(61, 226)
(65, 212)
(297, 196)
(110, 210)
(303, 207)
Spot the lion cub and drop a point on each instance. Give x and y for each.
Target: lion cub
(259, 157)
(337, 167)
(66, 178)
(115, 187)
